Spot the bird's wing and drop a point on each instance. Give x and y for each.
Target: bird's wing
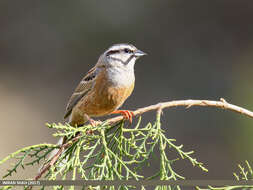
(81, 90)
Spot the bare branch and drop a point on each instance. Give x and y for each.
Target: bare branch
(189, 103)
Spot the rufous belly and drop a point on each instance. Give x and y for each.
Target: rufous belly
(105, 101)
(102, 100)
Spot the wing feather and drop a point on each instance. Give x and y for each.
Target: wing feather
(81, 90)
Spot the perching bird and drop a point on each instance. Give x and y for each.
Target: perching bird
(105, 87)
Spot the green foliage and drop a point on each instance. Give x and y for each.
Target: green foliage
(110, 152)
(36, 152)
(245, 173)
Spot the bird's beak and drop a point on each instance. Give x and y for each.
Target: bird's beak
(139, 53)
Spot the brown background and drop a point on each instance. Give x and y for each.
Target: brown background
(197, 50)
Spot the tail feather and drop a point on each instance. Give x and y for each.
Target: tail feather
(53, 153)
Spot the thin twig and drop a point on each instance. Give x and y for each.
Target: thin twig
(188, 103)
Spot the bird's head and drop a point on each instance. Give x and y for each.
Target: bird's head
(121, 55)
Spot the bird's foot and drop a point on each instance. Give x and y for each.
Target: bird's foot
(126, 114)
(93, 122)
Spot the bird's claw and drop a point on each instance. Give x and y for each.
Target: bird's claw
(128, 115)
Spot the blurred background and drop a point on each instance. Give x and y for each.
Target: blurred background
(196, 50)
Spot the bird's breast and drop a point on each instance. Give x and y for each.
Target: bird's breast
(108, 94)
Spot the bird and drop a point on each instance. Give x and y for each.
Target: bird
(105, 87)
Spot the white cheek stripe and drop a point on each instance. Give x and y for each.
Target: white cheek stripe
(121, 55)
(125, 62)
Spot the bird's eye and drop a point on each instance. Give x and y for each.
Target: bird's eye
(127, 50)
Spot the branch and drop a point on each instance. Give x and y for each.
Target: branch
(188, 103)
(56, 156)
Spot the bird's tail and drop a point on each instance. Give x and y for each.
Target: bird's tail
(60, 142)
(53, 153)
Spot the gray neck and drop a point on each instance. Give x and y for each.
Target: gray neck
(120, 76)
